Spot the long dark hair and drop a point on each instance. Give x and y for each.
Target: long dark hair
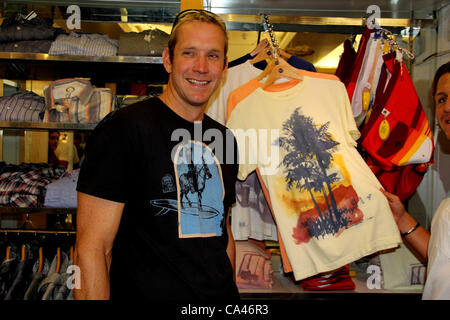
(445, 68)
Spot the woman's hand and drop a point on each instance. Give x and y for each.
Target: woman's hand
(397, 207)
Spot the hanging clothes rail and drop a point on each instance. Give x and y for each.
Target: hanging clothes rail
(28, 231)
(268, 27)
(388, 36)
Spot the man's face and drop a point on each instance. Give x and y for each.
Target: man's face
(198, 63)
(443, 104)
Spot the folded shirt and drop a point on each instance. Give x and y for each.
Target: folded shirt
(77, 101)
(25, 106)
(62, 193)
(84, 44)
(31, 46)
(19, 29)
(25, 187)
(146, 43)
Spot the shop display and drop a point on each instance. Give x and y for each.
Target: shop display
(342, 138)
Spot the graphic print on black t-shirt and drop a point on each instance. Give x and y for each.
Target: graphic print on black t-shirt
(200, 192)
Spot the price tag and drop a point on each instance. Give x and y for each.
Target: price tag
(365, 100)
(384, 130)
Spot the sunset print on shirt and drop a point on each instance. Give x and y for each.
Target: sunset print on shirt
(316, 185)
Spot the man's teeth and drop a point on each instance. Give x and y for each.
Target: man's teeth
(197, 82)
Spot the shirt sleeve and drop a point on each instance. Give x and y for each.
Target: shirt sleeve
(107, 169)
(348, 121)
(247, 151)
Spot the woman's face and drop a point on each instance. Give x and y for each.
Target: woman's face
(443, 104)
(53, 140)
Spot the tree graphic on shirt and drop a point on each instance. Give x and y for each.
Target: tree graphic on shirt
(309, 154)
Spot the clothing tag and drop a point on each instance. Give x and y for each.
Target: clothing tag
(366, 99)
(148, 37)
(31, 16)
(385, 112)
(384, 129)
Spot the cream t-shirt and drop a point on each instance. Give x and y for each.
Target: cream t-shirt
(326, 201)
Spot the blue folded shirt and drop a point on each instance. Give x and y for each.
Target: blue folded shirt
(62, 192)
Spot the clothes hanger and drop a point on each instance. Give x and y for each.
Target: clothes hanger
(267, 53)
(23, 253)
(277, 67)
(281, 69)
(259, 47)
(58, 259)
(41, 260)
(8, 253)
(284, 54)
(71, 253)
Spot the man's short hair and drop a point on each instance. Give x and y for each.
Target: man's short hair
(195, 15)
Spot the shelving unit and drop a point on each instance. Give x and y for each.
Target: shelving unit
(47, 126)
(36, 57)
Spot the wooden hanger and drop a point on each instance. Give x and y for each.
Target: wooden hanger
(284, 54)
(23, 253)
(58, 259)
(262, 55)
(281, 69)
(41, 260)
(267, 70)
(71, 253)
(259, 47)
(8, 253)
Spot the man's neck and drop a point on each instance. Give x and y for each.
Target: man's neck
(189, 113)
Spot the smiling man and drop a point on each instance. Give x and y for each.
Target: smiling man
(150, 226)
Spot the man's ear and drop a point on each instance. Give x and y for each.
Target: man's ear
(166, 60)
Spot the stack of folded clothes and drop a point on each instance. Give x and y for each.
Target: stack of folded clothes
(25, 34)
(24, 106)
(84, 44)
(146, 43)
(24, 185)
(336, 280)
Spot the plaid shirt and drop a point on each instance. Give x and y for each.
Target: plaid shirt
(25, 186)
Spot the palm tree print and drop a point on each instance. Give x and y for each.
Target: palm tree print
(306, 164)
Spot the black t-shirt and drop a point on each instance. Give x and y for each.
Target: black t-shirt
(172, 238)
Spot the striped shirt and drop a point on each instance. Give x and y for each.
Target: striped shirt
(82, 44)
(77, 101)
(26, 106)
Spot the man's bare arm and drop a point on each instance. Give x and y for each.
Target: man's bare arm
(97, 224)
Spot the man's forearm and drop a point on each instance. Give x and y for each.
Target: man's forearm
(94, 272)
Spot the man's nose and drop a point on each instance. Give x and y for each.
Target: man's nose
(201, 64)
